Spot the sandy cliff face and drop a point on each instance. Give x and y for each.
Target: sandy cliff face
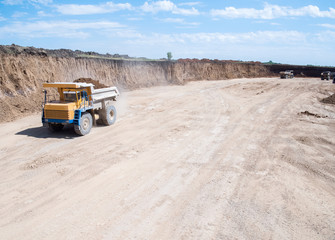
(22, 75)
(193, 71)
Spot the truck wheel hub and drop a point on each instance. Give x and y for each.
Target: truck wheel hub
(86, 123)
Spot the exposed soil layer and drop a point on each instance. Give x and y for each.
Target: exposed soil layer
(330, 99)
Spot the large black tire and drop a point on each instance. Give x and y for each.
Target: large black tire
(55, 127)
(86, 123)
(108, 117)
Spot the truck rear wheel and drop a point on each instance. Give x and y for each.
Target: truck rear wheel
(85, 125)
(55, 127)
(108, 116)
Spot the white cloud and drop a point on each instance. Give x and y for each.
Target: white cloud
(108, 7)
(272, 11)
(327, 25)
(135, 19)
(12, 2)
(167, 6)
(43, 2)
(76, 9)
(43, 14)
(312, 11)
(126, 34)
(186, 12)
(66, 29)
(326, 36)
(173, 20)
(189, 3)
(19, 14)
(155, 7)
(254, 37)
(33, 2)
(260, 37)
(179, 21)
(2, 18)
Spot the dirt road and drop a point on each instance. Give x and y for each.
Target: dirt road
(244, 159)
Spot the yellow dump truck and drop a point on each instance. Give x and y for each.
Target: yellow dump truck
(78, 104)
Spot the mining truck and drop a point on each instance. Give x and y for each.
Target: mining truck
(327, 75)
(286, 74)
(79, 104)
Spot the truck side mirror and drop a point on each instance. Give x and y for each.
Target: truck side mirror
(45, 96)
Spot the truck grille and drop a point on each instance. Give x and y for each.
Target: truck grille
(57, 114)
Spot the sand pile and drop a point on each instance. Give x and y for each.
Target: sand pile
(329, 100)
(96, 83)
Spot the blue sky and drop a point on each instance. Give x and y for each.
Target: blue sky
(295, 32)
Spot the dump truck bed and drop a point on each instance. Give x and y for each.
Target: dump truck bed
(97, 95)
(104, 93)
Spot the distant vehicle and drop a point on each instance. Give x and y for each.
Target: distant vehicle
(286, 74)
(327, 75)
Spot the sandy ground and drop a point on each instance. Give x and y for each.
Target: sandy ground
(237, 159)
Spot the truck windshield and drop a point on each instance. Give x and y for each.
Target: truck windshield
(70, 96)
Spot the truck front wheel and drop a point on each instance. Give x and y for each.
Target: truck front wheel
(108, 116)
(85, 125)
